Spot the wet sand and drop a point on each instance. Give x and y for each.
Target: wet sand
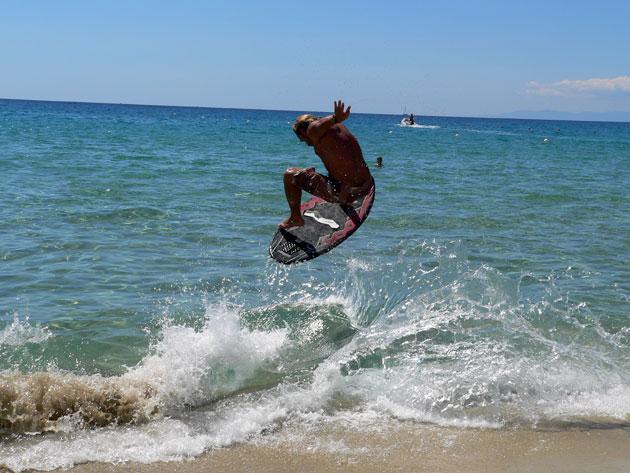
(408, 448)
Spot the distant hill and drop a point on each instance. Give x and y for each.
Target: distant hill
(556, 115)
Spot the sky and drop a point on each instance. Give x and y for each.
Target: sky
(457, 58)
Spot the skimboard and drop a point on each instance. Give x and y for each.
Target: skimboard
(326, 225)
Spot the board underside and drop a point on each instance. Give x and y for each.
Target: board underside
(326, 226)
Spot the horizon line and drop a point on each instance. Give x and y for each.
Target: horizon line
(495, 116)
(219, 108)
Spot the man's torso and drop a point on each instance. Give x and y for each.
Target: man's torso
(340, 152)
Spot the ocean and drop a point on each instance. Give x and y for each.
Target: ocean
(141, 318)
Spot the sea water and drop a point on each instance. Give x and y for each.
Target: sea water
(141, 318)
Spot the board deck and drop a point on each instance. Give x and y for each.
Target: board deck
(326, 226)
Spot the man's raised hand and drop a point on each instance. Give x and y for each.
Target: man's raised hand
(340, 114)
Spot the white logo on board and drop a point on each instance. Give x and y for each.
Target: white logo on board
(318, 218)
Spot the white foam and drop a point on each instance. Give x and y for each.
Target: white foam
(590, 401)
(164, 440)
(427, 127)
(385, 405)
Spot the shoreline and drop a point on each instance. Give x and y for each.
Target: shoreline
(405, 447)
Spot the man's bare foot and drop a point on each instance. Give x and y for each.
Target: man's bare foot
(292, 222)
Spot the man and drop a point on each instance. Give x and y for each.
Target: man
(348, 176)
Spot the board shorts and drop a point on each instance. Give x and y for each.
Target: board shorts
(326, 187)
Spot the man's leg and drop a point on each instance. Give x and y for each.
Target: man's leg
(293, 193)
(296, 180)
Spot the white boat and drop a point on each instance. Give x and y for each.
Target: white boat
(406, 122)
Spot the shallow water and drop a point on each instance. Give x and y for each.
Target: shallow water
(141, 318)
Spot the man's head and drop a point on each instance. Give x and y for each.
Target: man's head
(300, 126)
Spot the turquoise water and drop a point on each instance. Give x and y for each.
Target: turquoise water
(489, 287)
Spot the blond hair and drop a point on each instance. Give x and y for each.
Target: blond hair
(302, 122)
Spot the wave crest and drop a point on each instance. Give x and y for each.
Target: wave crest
(36, 403)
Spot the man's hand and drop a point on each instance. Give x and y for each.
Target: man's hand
(320, 127)
(340, 114)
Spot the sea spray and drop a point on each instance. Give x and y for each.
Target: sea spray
(469, 348)
(21, 331)
(191, 367)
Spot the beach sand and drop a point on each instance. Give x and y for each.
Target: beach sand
(408, 447)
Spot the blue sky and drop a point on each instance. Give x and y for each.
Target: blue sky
(437, 58)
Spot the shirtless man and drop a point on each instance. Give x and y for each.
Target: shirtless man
(348, 176)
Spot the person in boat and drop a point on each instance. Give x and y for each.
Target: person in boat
(411, 120)
(348, 175)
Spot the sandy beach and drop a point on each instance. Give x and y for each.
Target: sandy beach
(408, 448)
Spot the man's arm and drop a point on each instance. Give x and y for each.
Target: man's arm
(320, 127)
